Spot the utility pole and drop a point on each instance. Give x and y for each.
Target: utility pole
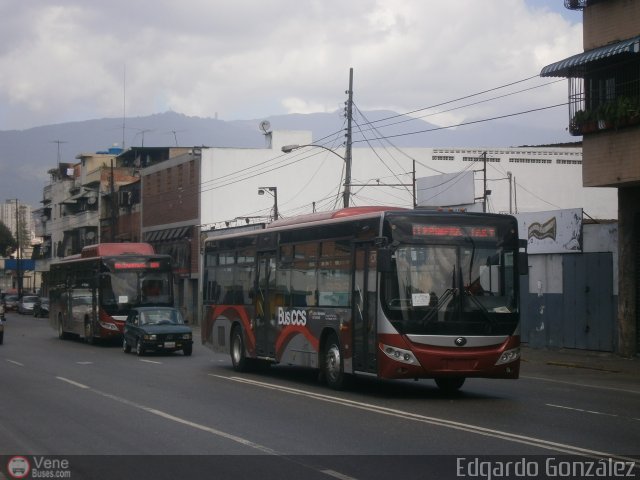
(347, 153)
(114, 205)
(484, 190)
(18, 254)
(510, 193)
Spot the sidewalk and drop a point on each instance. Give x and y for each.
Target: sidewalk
(581, 365)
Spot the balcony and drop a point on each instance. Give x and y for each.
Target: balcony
(612, 115)
(605, 97)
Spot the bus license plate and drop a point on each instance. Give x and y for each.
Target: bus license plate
(169, 344)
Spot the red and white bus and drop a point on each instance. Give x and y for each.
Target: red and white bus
(391, 293)
(90, 294)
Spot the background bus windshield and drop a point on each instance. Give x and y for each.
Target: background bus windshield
(123, 289)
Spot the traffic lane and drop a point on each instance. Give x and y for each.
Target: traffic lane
(139, 381)
(46, 414)
(512, 414)
(293, 423)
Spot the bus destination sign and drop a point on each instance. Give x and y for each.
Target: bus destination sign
(135, 265)
(453, 231)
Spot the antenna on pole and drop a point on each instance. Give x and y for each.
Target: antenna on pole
(124, 102)
(58, 142)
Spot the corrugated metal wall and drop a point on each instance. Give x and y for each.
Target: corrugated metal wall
(582, 316)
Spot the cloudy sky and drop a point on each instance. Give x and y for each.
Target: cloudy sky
(72, 60)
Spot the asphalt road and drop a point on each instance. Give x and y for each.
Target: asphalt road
(160, 415)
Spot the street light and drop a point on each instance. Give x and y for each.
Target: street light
(347, 177)
(273, 191)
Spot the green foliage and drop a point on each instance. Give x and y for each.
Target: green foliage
(7, 242)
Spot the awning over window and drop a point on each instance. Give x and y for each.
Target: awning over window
(168, 234)
(571, 67)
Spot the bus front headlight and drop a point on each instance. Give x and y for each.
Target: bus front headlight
(399, 354)
(509, 356)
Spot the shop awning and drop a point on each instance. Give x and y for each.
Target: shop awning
(571, 67)
(168, 234)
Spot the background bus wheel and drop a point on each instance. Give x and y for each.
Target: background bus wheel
(450, 384)
(62, 335)
(187, 351)
(1, 337)
(88, 332)
(126, 348)
(139, 348)
(238, 354)
(333, 364)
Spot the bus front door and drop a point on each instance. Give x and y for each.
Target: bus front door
(364, 300)
(265, 305)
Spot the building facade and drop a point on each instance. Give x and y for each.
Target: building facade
(604, 107)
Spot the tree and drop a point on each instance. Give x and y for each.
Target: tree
(7, 242)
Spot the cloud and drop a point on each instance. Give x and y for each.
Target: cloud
(75, 60)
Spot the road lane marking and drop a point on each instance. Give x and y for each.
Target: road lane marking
(338, 475)
(581, 410)
(84, 363)
(168, 416)
(15, 363)
(229, 436)
(151, 361)
(466, 427)
(587, 385)
(79, 385)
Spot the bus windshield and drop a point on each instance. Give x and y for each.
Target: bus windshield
(121, 290)
(452, 290)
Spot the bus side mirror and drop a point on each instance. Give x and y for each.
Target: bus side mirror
(523, 263)
(384, 260)
(523, 258)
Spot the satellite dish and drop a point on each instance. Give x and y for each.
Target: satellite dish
(265, 126)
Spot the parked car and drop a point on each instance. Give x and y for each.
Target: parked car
(11, 302)
(158, 329)
(41, 307)
(25, 305)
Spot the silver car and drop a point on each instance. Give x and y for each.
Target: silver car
(25, 306)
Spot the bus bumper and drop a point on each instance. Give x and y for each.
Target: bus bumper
(422, 361)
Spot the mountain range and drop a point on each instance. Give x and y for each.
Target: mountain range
(27, 155)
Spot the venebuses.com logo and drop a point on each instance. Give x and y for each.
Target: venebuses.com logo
(18, 467)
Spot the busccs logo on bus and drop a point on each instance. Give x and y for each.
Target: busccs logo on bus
(460, 341)
(292, 317)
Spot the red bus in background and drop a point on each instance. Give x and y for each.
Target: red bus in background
(391, 293)
(90, 294)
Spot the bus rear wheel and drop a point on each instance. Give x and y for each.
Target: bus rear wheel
(238, 354)
(450, 384)
(333, 364)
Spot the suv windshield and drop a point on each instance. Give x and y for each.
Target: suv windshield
(451, 290)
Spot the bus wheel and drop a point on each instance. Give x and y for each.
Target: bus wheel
(126, 348)
(450, 384)
(1, 337)
(333, 364)
(187, 351)
(62, 335)
(88, 332)
(139, 348)
(238, 354)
